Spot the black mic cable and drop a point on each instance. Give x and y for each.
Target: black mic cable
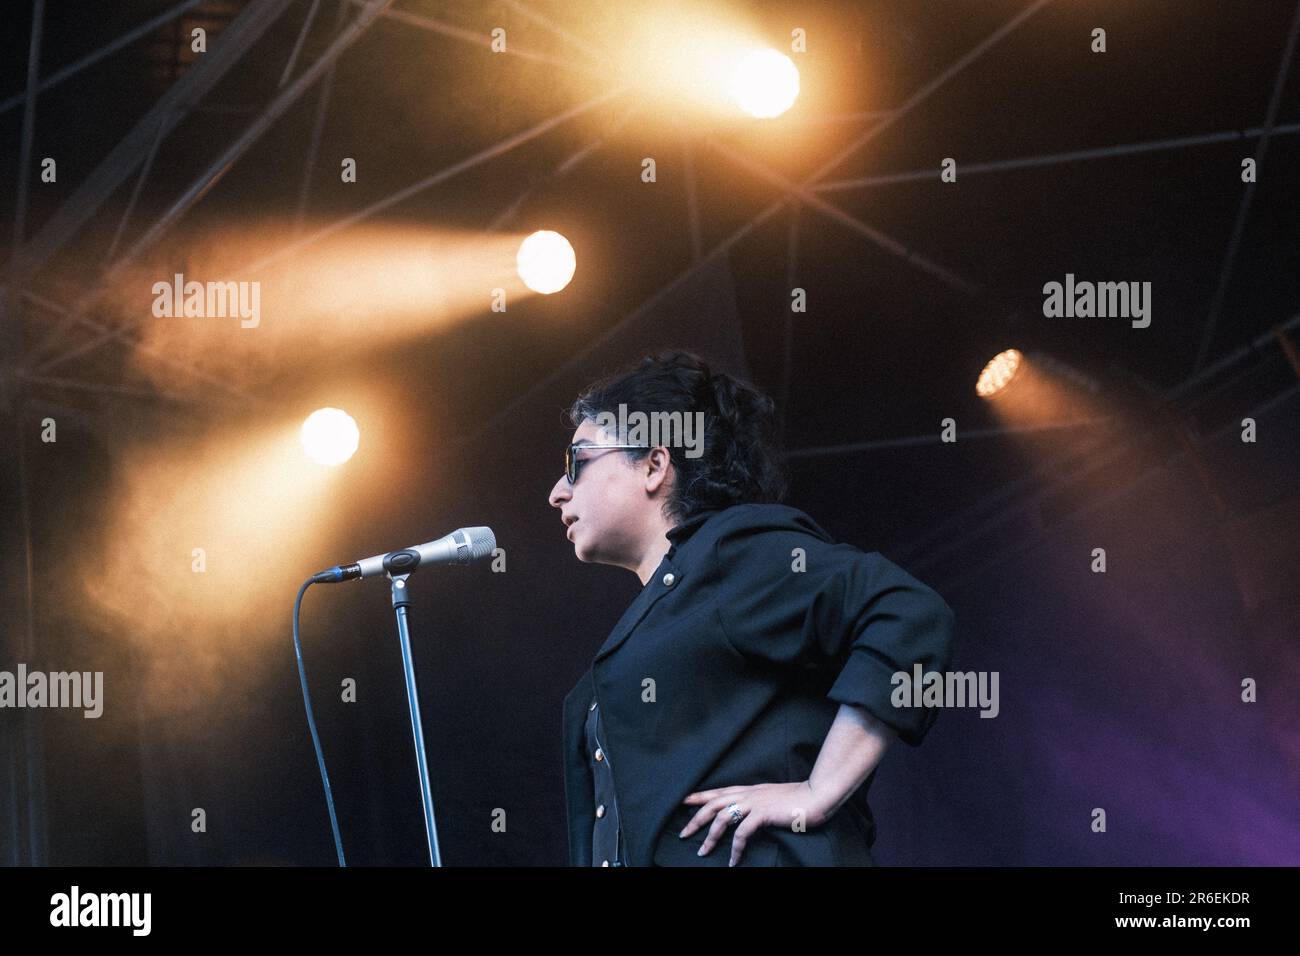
(311, 721)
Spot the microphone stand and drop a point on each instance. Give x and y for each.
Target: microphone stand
(401, 601)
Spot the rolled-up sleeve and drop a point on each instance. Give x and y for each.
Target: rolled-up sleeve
(793, 599)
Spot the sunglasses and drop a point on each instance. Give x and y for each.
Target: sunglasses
(571, 459)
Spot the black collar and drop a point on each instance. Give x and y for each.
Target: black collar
(681, 532)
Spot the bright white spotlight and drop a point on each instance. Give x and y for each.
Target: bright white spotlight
(546, 262)
(998, 373)
(330, 436)
(765, 83)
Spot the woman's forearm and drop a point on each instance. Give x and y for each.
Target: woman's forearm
(853, 747)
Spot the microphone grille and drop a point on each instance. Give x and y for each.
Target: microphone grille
(482, 542)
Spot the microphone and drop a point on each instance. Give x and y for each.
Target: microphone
(462, 546)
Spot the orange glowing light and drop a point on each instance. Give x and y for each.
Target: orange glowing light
(999, 373)
(330, 436)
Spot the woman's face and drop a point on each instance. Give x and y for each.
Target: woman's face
(607, 508)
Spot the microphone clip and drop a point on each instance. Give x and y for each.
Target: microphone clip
(402, 562)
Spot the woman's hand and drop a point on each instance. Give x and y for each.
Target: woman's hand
(763, 804)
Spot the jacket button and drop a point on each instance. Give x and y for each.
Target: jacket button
(600, 754)
(669, 578)
(600, 811)
(593, 706)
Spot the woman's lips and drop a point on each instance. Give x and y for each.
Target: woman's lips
(569, 531)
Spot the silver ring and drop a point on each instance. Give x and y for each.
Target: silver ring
(736, 815)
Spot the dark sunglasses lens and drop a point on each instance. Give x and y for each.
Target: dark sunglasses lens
(570, 464)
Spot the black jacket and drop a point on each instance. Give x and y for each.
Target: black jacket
(729, 667)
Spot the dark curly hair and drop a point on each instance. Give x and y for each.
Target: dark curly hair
(741, 460)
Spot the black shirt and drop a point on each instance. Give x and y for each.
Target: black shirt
(606, 833)
(753, 630)
(606, 836)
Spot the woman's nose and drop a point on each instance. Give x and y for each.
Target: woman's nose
(559, 492)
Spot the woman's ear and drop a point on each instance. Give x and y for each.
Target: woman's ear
(658, 465)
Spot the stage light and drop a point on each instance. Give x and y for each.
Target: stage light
(998, 373)
(330, 436)
(765, 83)
(546, 262)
